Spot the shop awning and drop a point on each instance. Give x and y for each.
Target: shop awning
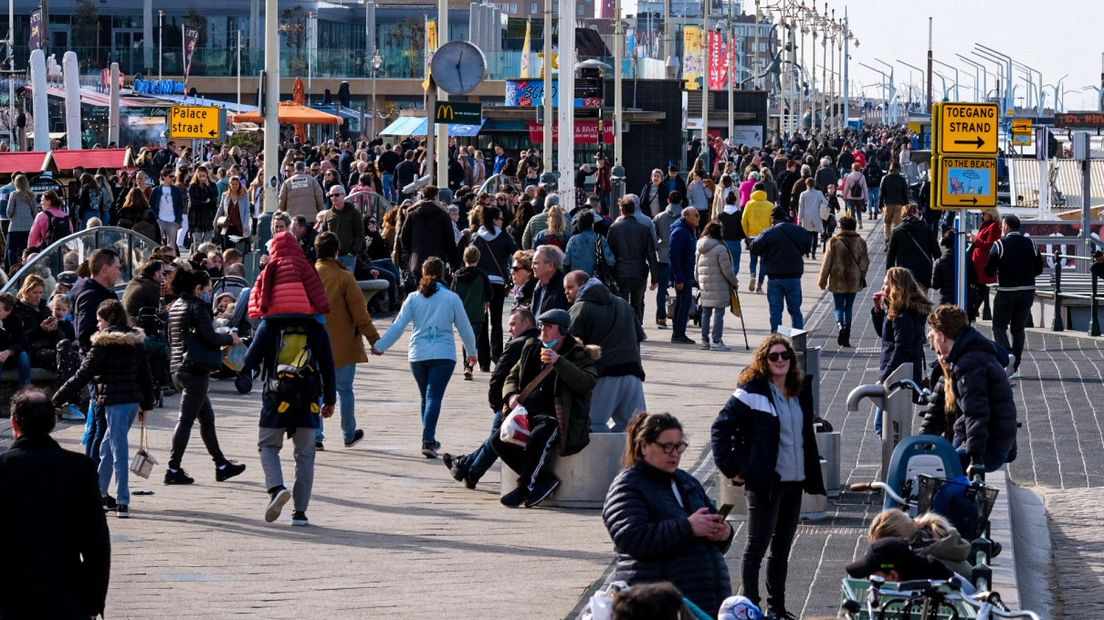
(292, 114)
(90, 159)
(23, 161)
(416, 126)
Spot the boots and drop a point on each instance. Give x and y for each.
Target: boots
(844, 337)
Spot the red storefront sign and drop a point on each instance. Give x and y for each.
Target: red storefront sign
(586, 132)
(718, 61)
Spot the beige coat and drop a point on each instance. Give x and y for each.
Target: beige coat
(348, 319)
(843, 271)
(713, 271)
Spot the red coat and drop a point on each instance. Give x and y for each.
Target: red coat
(289, 284)
(989, 234)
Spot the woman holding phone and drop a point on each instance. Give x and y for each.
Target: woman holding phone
(763, 439)
(663, 525)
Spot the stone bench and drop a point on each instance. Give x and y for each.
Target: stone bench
(371, 288)
(9, 383)
(584, 477)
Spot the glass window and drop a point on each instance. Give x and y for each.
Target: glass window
(534, 8)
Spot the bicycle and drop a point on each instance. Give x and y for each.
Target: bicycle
(920, 599)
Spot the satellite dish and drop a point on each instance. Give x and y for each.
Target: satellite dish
(458, 67)
(418, 184)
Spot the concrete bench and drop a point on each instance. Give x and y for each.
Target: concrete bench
(371, 288)
(9, 383)
(584, 477)
(1074, 299)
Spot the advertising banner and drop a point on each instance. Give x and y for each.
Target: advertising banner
(718, 61)
(692, 56)
(586, 132)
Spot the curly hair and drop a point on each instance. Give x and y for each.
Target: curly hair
(759, 368)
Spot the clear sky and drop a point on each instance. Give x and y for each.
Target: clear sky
(1055, 37)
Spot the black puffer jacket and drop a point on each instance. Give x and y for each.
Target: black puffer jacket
(914, 247)
(187, 315)
(903, 342)
(117, 362)
(983, 394)
(654, 541)
(746, 436)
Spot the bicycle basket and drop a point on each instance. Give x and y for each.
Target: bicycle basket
(966, 506)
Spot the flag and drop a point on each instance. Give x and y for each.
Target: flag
(692, 54)
(718, 61)
(36, 29)
(191, 37)
(431, 46)
(526, 50)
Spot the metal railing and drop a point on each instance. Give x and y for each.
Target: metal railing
(66, 254)
(1058, 324)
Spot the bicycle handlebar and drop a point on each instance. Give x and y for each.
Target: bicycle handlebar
(877, 485)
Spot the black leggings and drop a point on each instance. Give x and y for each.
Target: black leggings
(194, 403)
(772, 522)
(491, 349)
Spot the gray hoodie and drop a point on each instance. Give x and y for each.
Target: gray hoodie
(663, 223)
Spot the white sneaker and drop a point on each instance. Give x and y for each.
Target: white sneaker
(718, 346)
(705, 344)
(1015, 374)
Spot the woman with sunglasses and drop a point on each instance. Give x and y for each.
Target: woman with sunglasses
(663, 525)
(763, 440)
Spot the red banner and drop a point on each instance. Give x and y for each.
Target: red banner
(718, 61)
(586, 132)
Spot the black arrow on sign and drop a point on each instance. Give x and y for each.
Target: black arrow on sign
(972, 201)
(212, 133)
(979, 142)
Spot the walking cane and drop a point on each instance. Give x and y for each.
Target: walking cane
(736, 308)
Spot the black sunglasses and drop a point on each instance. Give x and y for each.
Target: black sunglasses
(780, 355)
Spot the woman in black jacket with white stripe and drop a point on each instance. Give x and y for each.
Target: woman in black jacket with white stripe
(663, 525)
(763, 439)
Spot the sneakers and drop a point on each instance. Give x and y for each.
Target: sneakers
(177, 476)
(718, 346)
(1015, 374)
(705, 345)
(357, 436)
(122, 511)
(276, 504)
(661, 323)
(452, 463)
(758, 289)
(775, 614)
(109, 503)
(751, 284)
(467, 374)
(228, 470)
(542, 490)
(429, 449)
(318, 447)
(299, 518)
(515, 498)
(682, 339)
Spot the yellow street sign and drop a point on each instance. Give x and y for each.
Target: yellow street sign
(1024, 126)
(968, 128)
(967, 182)
(195, 122)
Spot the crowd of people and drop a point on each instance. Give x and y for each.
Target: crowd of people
(566, 351)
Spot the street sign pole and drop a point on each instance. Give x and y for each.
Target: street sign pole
(962, 262)
(271, 106)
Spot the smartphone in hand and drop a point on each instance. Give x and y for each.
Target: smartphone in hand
(725, 510)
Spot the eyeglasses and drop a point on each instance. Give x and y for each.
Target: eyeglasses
(336, 194)
(780, 355)
(669, 448)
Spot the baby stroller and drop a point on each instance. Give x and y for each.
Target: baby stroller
(925, 474)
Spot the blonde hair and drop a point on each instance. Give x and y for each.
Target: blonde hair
(60, 298)
(29, 284)
(939, 526)
(905, 294)
(471, 255)
(556, 220)
(891, 523)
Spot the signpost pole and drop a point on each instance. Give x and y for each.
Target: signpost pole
(546, 100)
(442, 136)
(566, 142)
(431, 130)
(113, 107)
(272, 105)
(962, 262)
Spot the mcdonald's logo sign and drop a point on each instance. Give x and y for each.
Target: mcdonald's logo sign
(452, 112)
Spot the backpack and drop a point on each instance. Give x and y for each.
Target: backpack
(57, 228)
(294, 383)
(856, 189)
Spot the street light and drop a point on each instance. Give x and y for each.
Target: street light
(955, 69)
(160, 42)
(377, 63)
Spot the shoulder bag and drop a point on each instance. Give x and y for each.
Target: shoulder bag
(856, 261)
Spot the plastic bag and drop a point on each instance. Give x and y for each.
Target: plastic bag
(600, 606)
(515, 428)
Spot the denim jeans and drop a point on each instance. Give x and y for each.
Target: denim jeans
(663, 276)
(772, 523)
(17, 242)
(22, 361)
(388, 266)
(788, 291)
(683, 300)
(992, 459)
(755, 264)
(95, 426)
(343, 379)
(875, 194)
(712, 318)
(845, 304)
(432, 377)
(388, 186)
(349, 261)
(115, 450)
(736, 247)
(477, 463)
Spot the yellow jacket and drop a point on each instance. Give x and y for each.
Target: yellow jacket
(757, 214)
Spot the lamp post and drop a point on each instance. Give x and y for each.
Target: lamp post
(377, 64)
(981, 78)
(160, 42)
(952, 68)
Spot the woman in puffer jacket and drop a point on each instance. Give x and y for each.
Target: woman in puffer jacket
(118, 364)
(663, 524)
(713, 271)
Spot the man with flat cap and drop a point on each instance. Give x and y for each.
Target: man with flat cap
(553, 380)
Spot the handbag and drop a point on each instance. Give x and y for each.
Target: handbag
(142, 463)
(515, 426)
(199, 356)
(602, 269)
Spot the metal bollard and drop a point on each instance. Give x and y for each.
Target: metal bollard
(1057, 324)
(1094, 308)
(896, 405)
(828, 444)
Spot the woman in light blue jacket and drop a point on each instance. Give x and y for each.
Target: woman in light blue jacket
(434, 310)
(581, 252)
